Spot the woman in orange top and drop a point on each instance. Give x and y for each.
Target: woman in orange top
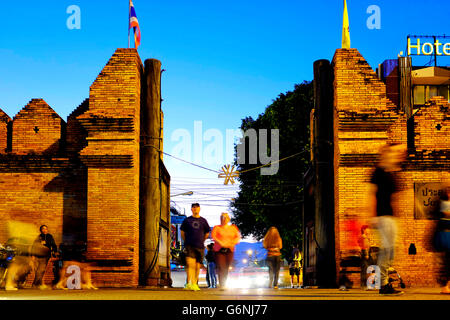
(273, 243)
(225, 236)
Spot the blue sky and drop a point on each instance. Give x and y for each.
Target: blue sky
(224, 60)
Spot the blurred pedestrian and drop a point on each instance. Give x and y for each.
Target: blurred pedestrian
(208, 283)
(442, 235)
(384, 186)
(364, 242)
(295, 267)
(350, 230)
(211, 266)
(225, 236)
(273, 243)
(194, 231)
(44, 247)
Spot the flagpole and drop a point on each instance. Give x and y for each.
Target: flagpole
(129, 14)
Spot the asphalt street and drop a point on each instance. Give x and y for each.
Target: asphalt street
(216, 294)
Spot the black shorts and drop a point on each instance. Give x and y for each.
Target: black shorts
(294, 271)
(195, 253)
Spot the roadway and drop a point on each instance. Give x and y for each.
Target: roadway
(216, 294)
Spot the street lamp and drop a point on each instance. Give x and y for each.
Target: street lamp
(188, 193)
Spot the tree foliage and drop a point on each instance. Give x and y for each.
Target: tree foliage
(276, 200)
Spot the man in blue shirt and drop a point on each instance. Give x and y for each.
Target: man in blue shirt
(194, 231)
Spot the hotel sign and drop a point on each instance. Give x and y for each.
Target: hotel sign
(421, 47)
(427, 200)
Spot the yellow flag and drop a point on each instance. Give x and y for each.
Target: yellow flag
(345, 29)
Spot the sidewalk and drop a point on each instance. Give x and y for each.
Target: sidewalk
(216, 294)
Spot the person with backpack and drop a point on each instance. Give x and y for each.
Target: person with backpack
(295, 267)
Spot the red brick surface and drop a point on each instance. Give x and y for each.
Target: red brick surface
(4, 119)
(81, 179)
(431, 129)
(364, 121)
(36, 129)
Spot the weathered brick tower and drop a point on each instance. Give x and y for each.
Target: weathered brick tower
(83, 178)
(364, 119)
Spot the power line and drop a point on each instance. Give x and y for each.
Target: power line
(215, 178)
(192, 181)
(199, 184)
(191, 163)
(254, 204)
(187, 180)
(208, 194)
(226, 188)
(272, 162)
(216, 171)
(206, 200)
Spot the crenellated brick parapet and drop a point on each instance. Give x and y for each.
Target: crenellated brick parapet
(116, 91)
(432, 125)
(113, 118)
(76, 135)
(365, 119)
(37, 129)
(356, 86)
(4, 121)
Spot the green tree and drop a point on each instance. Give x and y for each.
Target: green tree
(276, 200)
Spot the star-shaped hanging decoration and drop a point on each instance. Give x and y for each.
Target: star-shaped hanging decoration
(228, 174)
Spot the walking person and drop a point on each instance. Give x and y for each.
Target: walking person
(194, 231)
(295, 267)
(272, 243)
(225, 236)
(364, 244)
(443, 235)
(205, 262)
(383, 188)
(44, 247)
(211, 266)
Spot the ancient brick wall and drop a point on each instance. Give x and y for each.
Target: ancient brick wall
(76, 135)
(356, 85)
(81, 178)
(32, 190)
(37, 129)
(26, 198)
(364, 121)
(112, 157)
(431, 130)
(4, 120)
(425, 268)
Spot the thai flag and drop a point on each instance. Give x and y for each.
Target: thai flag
(134, 23)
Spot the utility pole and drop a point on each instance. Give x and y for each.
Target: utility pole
(151, 173)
